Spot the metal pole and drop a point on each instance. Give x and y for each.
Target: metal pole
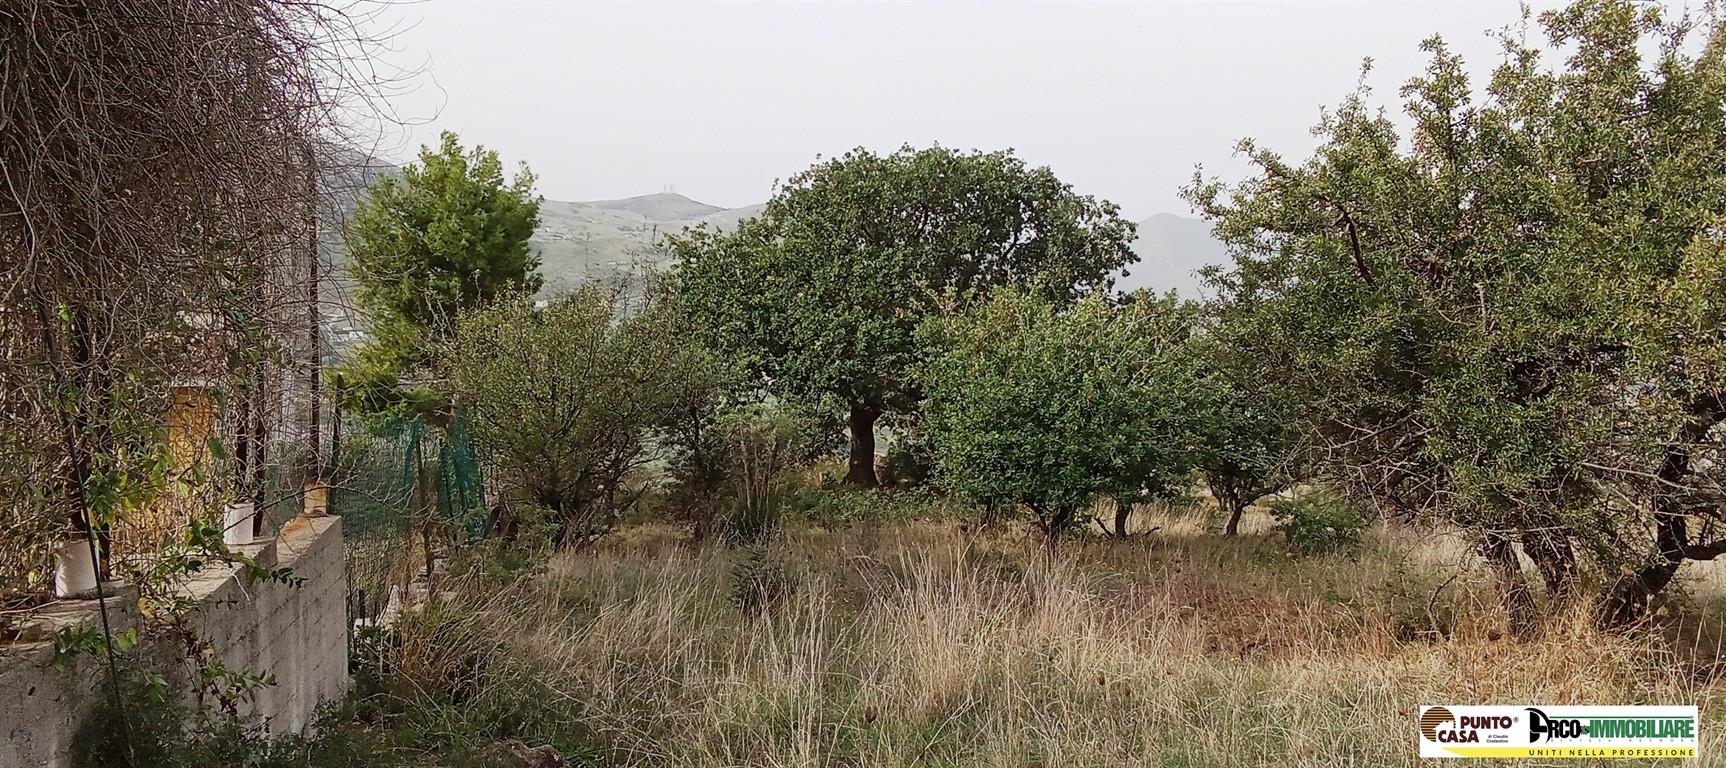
(316, 354)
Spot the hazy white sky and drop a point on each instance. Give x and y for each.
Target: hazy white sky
(719, 100)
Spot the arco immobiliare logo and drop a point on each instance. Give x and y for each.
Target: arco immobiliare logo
(1609, 732)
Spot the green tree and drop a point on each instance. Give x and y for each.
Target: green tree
(1050, 409)
(822, 294)
(1250, 451)
(1481, 321)
(702, 391)
(450, 235)
(1254, 443)
(563, 400)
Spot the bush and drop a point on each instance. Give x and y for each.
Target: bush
(843, 506)
(758, 582)
(563, 401)
(751, 521)
(1318, 522)
(761, 448)
(1047, 409)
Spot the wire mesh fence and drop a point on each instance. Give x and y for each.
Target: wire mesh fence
(404, 489)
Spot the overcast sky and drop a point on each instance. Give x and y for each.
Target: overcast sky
(719, 100)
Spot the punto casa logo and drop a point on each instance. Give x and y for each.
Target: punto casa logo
(1431, 719)
(1440, 725)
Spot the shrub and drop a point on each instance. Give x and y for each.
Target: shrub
(1048, 409)
(762, 446)
(758, 581)
(1318, 522)
(563, 400)
(751, 522)
(845, 505)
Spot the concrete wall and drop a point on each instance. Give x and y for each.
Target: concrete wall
(298, 634)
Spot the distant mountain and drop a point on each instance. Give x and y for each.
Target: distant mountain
(665, 206)
(1172, 249)
(577, 242)
(614, 240)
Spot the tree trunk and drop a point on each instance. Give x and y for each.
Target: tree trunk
(1236, 509)
(1513, 592)
(1123, 510)
(1629, 597)
(1052, 523)
(1228, 497)
(991, 513)
(861, 471)
(1552, 553)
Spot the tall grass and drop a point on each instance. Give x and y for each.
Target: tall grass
(931, 644)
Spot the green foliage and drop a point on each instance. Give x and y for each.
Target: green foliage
(1253, 445)
(758, 582)
(563, 400)
(87, 640)
(451, 235)
(822, 294)
(842, 506)
(702, 394)
(1318, 522)
(762, 447)
(502, 560)
(1495, 319)
(1047, 409)
(370, 383)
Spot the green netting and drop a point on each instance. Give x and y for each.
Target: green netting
(395, 478)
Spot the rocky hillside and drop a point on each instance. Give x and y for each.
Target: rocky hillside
(612, 239)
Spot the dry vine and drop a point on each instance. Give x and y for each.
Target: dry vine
(159, 166)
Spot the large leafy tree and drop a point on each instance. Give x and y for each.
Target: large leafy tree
(450, 235)
(1484, 321)
(1048, 409)
(821, 295)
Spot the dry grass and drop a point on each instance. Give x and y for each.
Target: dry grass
(927, 644)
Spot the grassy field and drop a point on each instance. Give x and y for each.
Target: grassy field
(930, 643)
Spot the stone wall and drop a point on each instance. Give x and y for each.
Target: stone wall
(298, 634)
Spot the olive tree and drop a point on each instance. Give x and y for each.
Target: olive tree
(1483, 320)
(821, 295)
(1049, 409)
(563, 400)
